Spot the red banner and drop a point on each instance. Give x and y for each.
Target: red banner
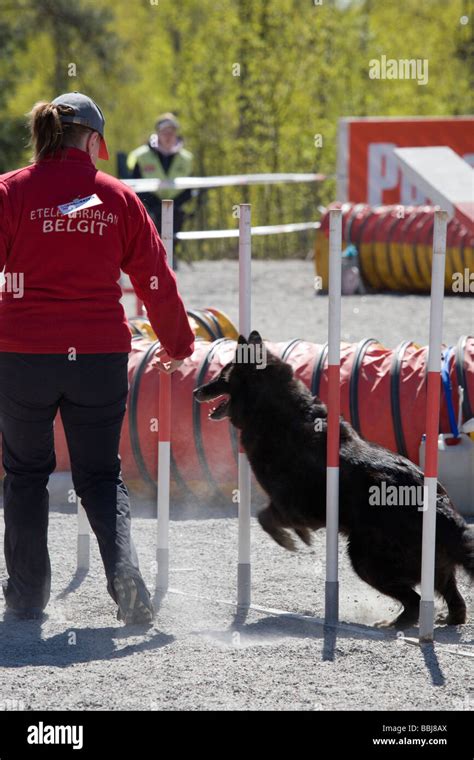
(368, 171)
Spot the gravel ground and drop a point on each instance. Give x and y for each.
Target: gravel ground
(284, 305)
(198, 655)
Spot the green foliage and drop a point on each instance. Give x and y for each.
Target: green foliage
(254, 83)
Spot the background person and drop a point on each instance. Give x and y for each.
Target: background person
(64, 345)
(163, 157)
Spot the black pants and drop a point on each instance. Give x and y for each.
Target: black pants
(91, 394)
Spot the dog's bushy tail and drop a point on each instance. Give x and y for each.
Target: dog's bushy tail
(466, 558)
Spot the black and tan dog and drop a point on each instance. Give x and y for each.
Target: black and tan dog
(283, 432)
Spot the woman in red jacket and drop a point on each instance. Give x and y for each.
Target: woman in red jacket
(66, 232)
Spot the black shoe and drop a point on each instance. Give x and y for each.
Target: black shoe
(134, 602)
(21, 613)
(25, 613)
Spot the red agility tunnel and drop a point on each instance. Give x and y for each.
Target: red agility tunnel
(383, 395)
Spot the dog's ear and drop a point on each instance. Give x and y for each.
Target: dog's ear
(242, 340)
(255, 338)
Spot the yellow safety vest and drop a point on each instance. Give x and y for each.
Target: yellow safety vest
(151, 167)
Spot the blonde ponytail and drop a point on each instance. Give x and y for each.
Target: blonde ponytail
(46, 130)
(48, 134)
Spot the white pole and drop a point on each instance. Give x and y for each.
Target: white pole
(164, 434)
(245, 263)
(83, 538)
(332, 474)
(428, 550)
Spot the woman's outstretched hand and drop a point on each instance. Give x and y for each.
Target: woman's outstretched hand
(164, 362)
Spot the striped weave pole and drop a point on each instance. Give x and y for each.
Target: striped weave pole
(334, 405)
(83, 538)
(432, 428)
(245, 263)
(164, 435)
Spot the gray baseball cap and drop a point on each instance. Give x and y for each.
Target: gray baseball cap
(87, 113)
(166, 120)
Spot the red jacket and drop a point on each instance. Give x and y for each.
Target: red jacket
(62, 272)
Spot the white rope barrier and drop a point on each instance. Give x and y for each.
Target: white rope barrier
(231, 180)
(272, 229)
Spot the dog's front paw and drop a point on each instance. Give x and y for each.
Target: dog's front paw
(304, 534)
(385, 623)
(406, 619)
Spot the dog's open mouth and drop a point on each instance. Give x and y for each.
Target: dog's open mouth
(221, 403)
(221, 410)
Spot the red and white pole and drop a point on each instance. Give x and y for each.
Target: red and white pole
(83, 538)
(245, 298)
(164, 434)
(428, 550)
(334, 406)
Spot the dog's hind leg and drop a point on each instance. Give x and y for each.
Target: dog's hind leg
(370, 568)
(271, 522)
(456, 604)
